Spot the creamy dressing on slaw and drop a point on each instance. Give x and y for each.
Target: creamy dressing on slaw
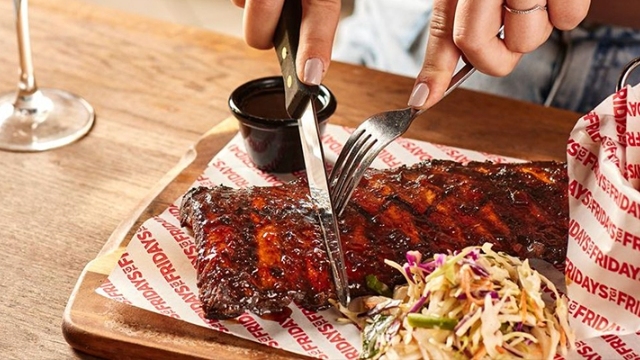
(476, 303)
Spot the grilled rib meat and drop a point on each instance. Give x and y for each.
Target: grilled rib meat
(261, 248)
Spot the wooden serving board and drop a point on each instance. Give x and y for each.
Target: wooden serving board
(103, 327)
(99, 326)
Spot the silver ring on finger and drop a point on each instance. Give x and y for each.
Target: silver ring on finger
(526, 11)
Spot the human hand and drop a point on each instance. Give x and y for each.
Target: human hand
(317, 32)
(469, 29)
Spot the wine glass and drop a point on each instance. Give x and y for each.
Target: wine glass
(36, 119)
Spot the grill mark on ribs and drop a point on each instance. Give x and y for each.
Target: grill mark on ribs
(260, 248)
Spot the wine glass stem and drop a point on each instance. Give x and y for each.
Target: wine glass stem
(27, 85)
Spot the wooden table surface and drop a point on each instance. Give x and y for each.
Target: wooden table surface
(157, 87)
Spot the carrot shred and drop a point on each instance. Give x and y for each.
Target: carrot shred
(523, 305)
(536, 310)
(482, 351)
(466, 286)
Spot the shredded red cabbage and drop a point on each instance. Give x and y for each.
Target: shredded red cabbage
(479, 269)
(420, 303)
(439, 259)
(413, 257)
(428, 267)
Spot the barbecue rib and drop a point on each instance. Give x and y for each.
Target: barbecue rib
(260, 248)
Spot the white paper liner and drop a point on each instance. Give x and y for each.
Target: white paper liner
(603, 255)
(157, 272)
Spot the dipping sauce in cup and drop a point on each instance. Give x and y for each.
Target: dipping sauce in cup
(270, 136)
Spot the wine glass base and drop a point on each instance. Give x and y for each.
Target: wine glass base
(57, 118)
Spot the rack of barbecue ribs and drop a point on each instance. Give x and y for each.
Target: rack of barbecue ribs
(259, 248)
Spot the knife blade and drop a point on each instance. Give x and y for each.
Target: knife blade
(300, 105)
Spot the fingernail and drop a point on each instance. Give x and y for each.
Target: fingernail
(313, 71)
(418, 95)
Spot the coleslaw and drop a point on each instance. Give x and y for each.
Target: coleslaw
(476, 304)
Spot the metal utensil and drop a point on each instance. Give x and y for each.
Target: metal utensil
(626, 72)
(366, 142)
(300, 105)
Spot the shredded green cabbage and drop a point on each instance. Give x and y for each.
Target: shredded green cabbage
(475, 304)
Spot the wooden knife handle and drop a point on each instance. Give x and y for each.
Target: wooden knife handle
(285, 42)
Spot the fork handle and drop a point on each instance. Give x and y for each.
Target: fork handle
(285, 42)
(456, 80)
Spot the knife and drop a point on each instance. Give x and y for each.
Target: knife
(299, 105)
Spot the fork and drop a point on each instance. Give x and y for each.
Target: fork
(368, 140)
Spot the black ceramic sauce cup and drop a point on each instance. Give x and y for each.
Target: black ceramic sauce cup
(270, 136)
